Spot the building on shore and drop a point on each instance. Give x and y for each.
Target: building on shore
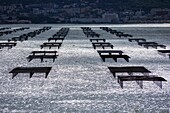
(106, 18)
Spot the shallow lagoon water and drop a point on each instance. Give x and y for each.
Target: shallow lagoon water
(79, 80)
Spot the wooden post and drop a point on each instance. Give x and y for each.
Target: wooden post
(29, 59)
(41, 59)
(94, 46)
(118, 80)
(46, 74)
(121, 83)
(127, 59)
(114, 74)
(31, 75)
(140, 83)
(14, 74)
(158, 83)
(53, 59)
(103, 59)
(115, 59)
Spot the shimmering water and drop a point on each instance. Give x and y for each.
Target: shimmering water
(79, 80)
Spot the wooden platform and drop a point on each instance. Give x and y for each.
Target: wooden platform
(140, 79)
(109, 52)
(102, 44)
(92, 35)
(118, 33)
(18, 39)
(4, 28)
(51, 44)
(59, 35)
(12, 31)
(129, 69)
(62, 33)
(24, 37)
(115, 57)
(137, 40)
(44, 52)
(55, 39)
(89, 32)
(113, 31)
(144, 43)
(9, 45)
(164, 51)
(97, 40)
(123, 35)
(42, 55)
(30, 70)
(5, 32)
(154, 46)
(107, 29)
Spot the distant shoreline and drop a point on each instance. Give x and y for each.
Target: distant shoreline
(145, 25)
(163, 22)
